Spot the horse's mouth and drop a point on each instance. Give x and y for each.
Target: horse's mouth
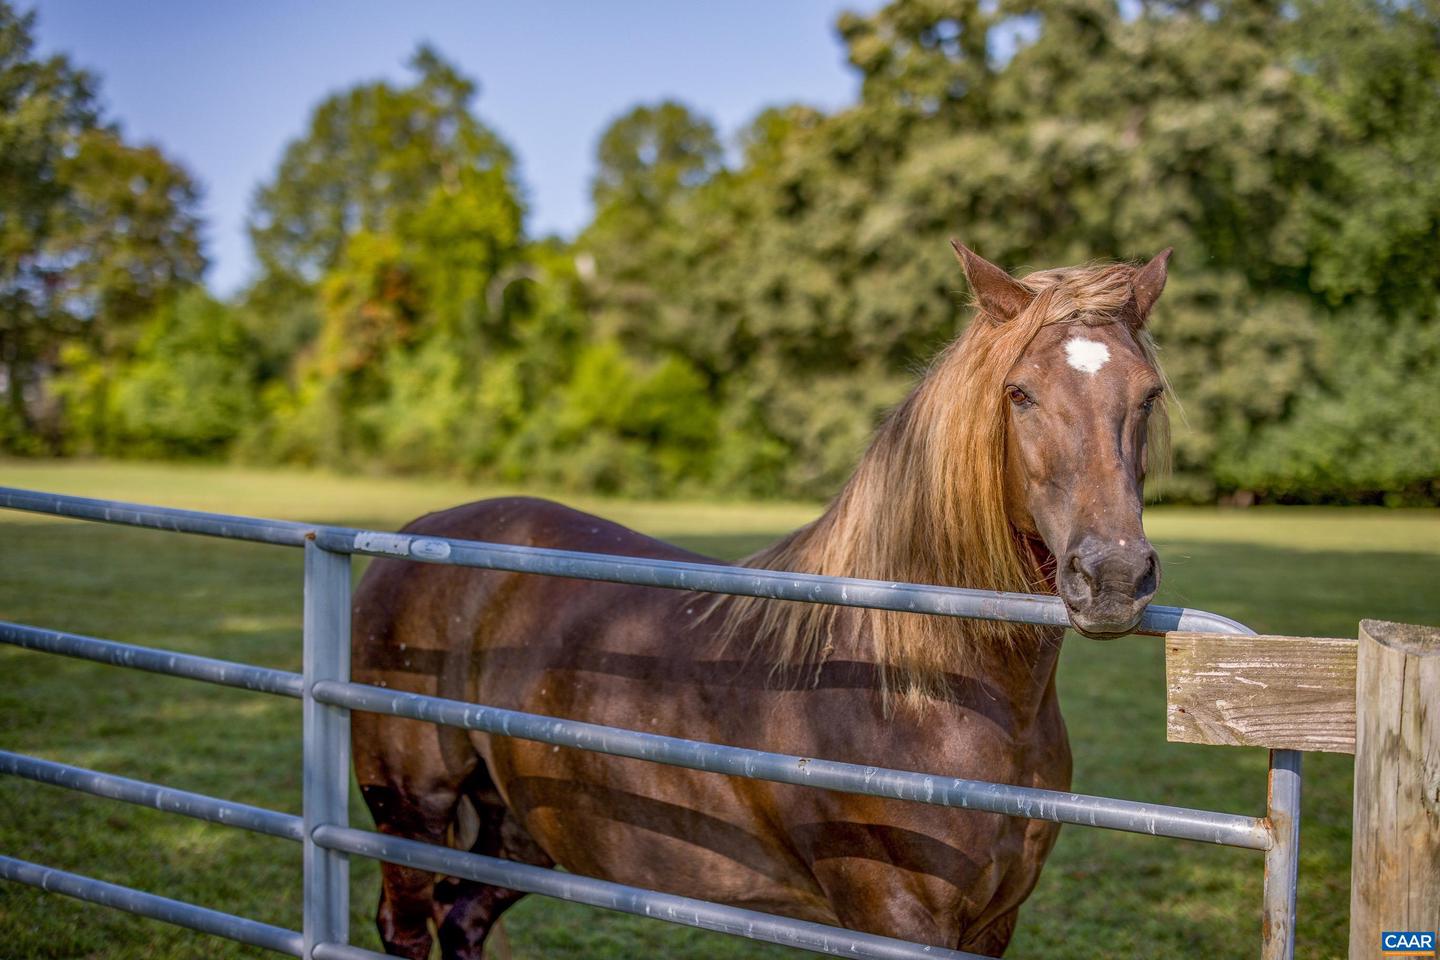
(1112, 620)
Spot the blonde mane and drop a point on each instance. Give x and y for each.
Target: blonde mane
(927, 504)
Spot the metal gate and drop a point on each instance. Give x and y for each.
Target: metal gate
(328, 697)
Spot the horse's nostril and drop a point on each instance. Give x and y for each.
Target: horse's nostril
(1151, 580)
(1080, 567)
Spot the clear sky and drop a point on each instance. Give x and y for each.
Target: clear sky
(223, 86)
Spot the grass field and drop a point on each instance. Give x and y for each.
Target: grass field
(1104, 894)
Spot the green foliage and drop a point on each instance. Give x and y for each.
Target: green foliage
(741, 327)
(397, 219)
(618, 425)
(653, 153)
(370, 151)
(187, 388)
(94, 235)
(45, 106)
(1268, 144)
(191, 386)
(133, 240)
(1367, 432)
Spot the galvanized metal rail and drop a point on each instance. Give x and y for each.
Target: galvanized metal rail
(168, 799)
(328, 696)
(1047, 611)
(687, 911)
(150, 905)
(1159, 820)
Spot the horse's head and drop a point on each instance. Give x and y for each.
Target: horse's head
(1078, 408)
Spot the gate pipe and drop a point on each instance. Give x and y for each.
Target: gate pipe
(228, 813)
(686, 911)
(1039, 610)
(1036, 609)
(1228, 829)
(151, 905)
(226, 673)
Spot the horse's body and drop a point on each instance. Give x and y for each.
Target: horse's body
(629, 657)
(662, 661)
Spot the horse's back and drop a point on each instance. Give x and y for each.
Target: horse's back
(419, 605)
(536, 522)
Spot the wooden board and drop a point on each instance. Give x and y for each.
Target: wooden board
(1293, 693)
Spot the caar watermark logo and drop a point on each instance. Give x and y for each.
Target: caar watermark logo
(1407, 943)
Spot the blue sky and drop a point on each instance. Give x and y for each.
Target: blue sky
(223, 86)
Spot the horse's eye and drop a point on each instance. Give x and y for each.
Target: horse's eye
(1149, 402)
(1017, 396)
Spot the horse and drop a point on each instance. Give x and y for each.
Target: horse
(1017, 463)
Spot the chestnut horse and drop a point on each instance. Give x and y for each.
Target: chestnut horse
(1016, 464)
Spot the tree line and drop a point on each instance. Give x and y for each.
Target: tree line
(735, 322)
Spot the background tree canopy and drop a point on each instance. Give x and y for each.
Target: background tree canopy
(736, 321)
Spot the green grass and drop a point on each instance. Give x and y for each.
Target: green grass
(1103, 894)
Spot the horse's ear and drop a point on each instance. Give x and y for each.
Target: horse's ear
(999, 294)
(1150, 282)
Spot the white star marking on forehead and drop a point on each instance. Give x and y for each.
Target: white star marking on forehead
(1087, 356)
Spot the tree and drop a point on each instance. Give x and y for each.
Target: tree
(649, 160)
(94, 233)
(652, 153)
(45, 105)
(395, 224)
(369, 153)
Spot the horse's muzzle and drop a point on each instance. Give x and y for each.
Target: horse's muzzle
(1106, 585)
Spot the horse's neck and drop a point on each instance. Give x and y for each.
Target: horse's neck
(906, 514)
(1021, 670)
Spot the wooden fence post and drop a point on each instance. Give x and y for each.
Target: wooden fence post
(1395, 866)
